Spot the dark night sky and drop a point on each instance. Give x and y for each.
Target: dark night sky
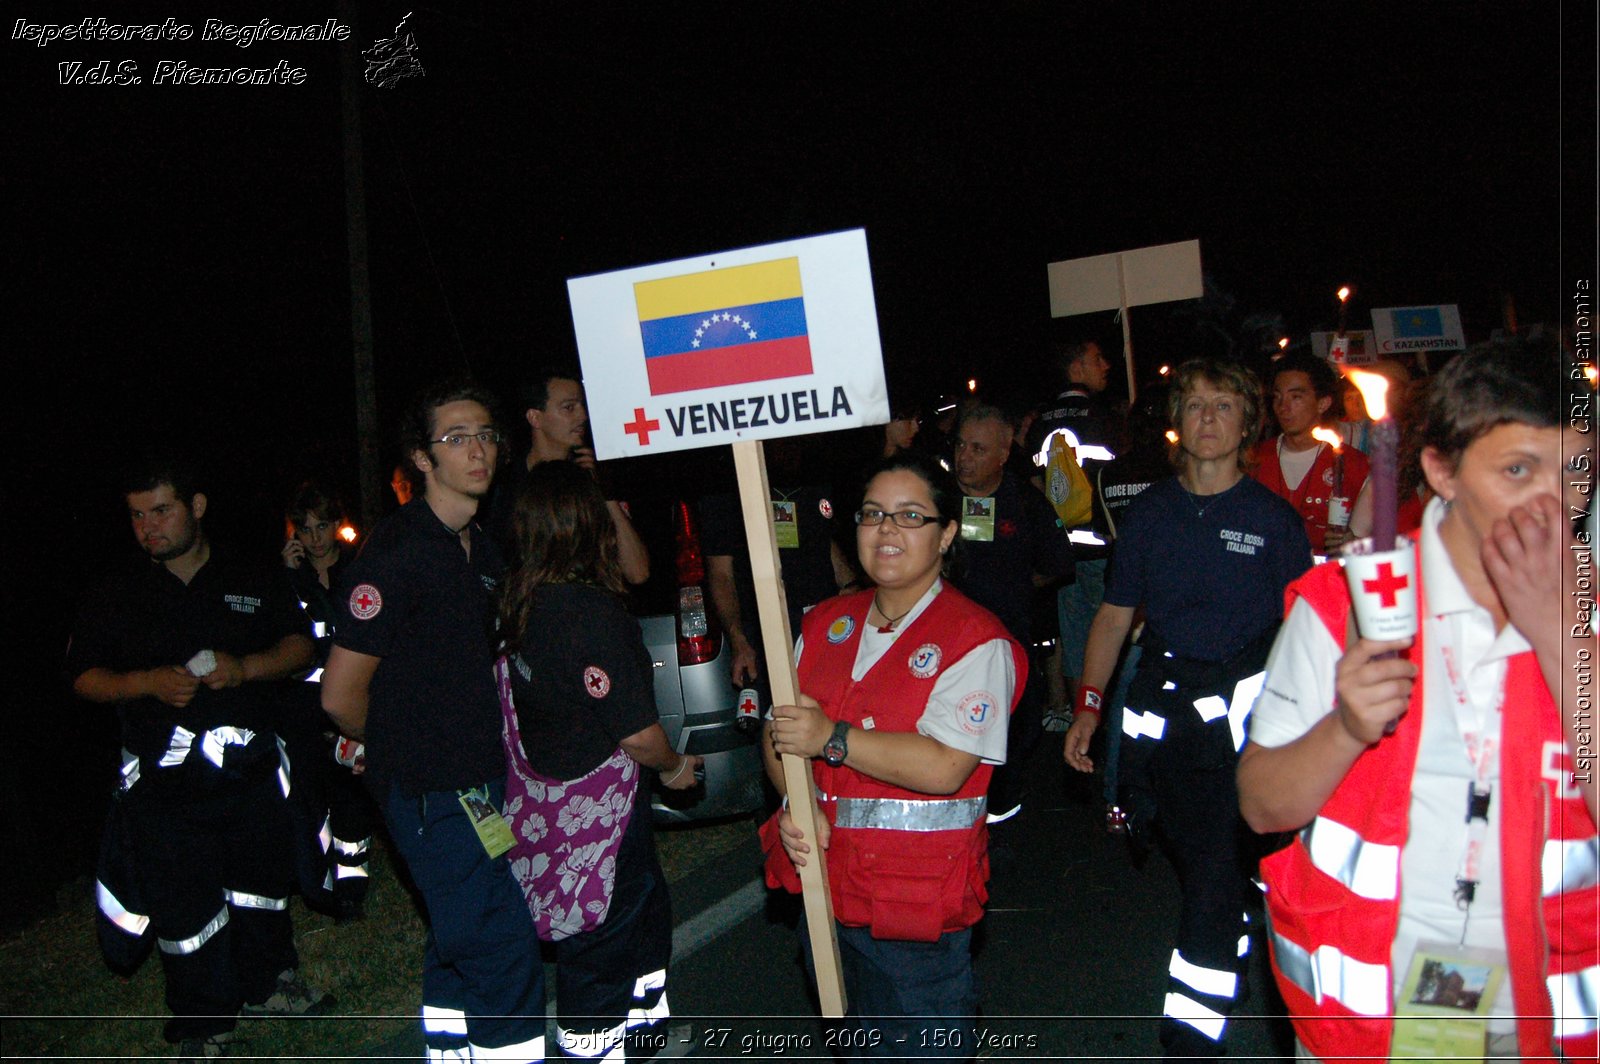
(176, 256)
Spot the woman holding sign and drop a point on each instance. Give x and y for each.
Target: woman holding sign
(1206, 555)
(906, 692)
(1449, 866)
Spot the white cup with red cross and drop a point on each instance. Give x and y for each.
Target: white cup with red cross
(1383, 589)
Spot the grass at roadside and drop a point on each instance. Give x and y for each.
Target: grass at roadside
(59, 1000)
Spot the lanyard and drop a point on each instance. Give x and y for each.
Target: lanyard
(1483, 751)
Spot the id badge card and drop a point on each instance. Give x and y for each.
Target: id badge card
(977, 518)
(785, 524)
(1444, 1004)
(493, 831)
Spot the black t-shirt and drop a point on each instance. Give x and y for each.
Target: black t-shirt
(998, 575)
(416, 601)
(582, 681)
(144, 617)
(1210, 583)
(807, 569)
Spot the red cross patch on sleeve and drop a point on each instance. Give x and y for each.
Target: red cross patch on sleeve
(365, 602)
(596, 682)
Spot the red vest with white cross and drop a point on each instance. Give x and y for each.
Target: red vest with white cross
(897, 861)
(1333, 895)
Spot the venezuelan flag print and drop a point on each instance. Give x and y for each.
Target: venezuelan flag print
(727, 326)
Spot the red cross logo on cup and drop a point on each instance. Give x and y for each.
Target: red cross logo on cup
(1387, 586)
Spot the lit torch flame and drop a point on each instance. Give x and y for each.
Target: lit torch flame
(1329, 437)
(1374, 389)
(1344, 293)
(1172, 437)
(347, 533)
(1592, 373)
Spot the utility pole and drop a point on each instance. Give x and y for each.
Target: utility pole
(355, 200)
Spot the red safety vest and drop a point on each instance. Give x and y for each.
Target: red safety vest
(910, 866)
(1310, 498)
(1333, 895)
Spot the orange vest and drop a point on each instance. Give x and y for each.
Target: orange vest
(910, 866)
(1310, 498)
(1333, 895)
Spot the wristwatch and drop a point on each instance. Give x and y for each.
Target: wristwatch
(835, 750)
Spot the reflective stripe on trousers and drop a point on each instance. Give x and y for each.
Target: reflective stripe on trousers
(1369, 869)
(645, 1012)
(1360, 987)
(905, 814)
(194, 942)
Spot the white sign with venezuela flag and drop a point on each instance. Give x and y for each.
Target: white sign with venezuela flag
(751, 344)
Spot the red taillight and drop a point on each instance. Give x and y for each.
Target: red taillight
(699, 639)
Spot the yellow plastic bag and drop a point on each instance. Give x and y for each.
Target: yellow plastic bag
(1066, 485)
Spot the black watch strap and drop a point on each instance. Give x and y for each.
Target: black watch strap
(836, 749)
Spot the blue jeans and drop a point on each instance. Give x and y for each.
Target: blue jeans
(908, 1000)
(1076, 605)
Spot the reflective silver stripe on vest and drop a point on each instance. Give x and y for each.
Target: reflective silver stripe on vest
(1369, 869)
(189, 945)
(314, 676)
(1135, 724)
(906, 814)
(1570, 865)
(1210, 707)
(112, 907)
(1185, 1009)
(1575, 996)
(255, 901)
(1357, 985)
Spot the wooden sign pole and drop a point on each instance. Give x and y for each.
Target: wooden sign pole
(1127, 330)
(756, 502)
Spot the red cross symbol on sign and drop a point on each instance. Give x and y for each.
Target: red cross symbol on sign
(1387, 585)
(364, 600)
(641, 427)
(747, 706)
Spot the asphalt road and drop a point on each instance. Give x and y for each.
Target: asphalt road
(1072, 955)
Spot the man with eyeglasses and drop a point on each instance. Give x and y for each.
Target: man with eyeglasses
(1013, 546)
(411, 674)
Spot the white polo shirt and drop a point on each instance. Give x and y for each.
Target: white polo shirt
(1461, 642)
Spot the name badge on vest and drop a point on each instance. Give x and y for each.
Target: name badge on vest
(786, 524)
(977, 518)
(1444, 1003)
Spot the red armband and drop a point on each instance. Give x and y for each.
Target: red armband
(1089, 699)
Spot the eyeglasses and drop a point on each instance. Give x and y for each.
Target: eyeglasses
(459, 439)
(902, 518)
